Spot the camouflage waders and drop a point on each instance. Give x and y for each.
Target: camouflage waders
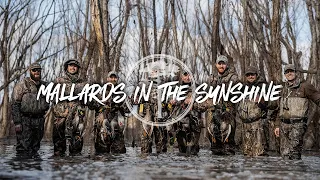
(272, 142)
(69, 130)
(291, 139)
(109, 136)
(28, 141)
(188, 134)
(28, 112)
(221, 131)
(253, 134)
(253, 138)
(159, 134)
(102, 134)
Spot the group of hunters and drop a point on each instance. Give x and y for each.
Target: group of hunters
(247, 125)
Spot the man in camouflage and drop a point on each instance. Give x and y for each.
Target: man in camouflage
(251, 113)
(294, 106)
(28, 112)
(149, 111)
(69, 116)
(221, 129)
(188, 129)
(109, 123)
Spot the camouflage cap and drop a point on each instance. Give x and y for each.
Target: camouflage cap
(251, 70)
(289, 67)
(112, 73)
(72, 61)
(185, 73)
(222, 58)
(155, 68)
(35, 66)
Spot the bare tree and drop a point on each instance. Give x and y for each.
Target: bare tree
(215, 40)
(275, 41)
(109, 35)
(313, 8)
(24, 26)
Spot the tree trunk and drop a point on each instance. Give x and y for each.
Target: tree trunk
(276, 74)
(6, 71)
(215, 42)
(314, 46)
(245, 49)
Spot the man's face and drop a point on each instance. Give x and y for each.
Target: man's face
(154, 73)
(290, 74)
(251, 77)
(72, 69)
(185, 78)
(112, 79)
(221, 67)
(35, 74)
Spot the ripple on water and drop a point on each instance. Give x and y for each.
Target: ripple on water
(168, 166)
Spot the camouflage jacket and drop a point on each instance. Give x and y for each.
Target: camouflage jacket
(301, 89)
(228, 76)
(225, 78)
(110, 109)
(249, 110)
(258, 83)
(294, 102)
(25, 102)
(59, 109)
(196, 108)
(152, 102)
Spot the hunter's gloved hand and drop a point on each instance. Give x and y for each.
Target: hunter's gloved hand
(18, 128)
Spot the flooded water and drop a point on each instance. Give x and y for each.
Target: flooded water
(133, 165)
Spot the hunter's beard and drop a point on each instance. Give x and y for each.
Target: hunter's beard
(35, 78)
(113, 82)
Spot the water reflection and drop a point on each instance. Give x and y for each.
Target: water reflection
(25, 162)
(133, 165)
